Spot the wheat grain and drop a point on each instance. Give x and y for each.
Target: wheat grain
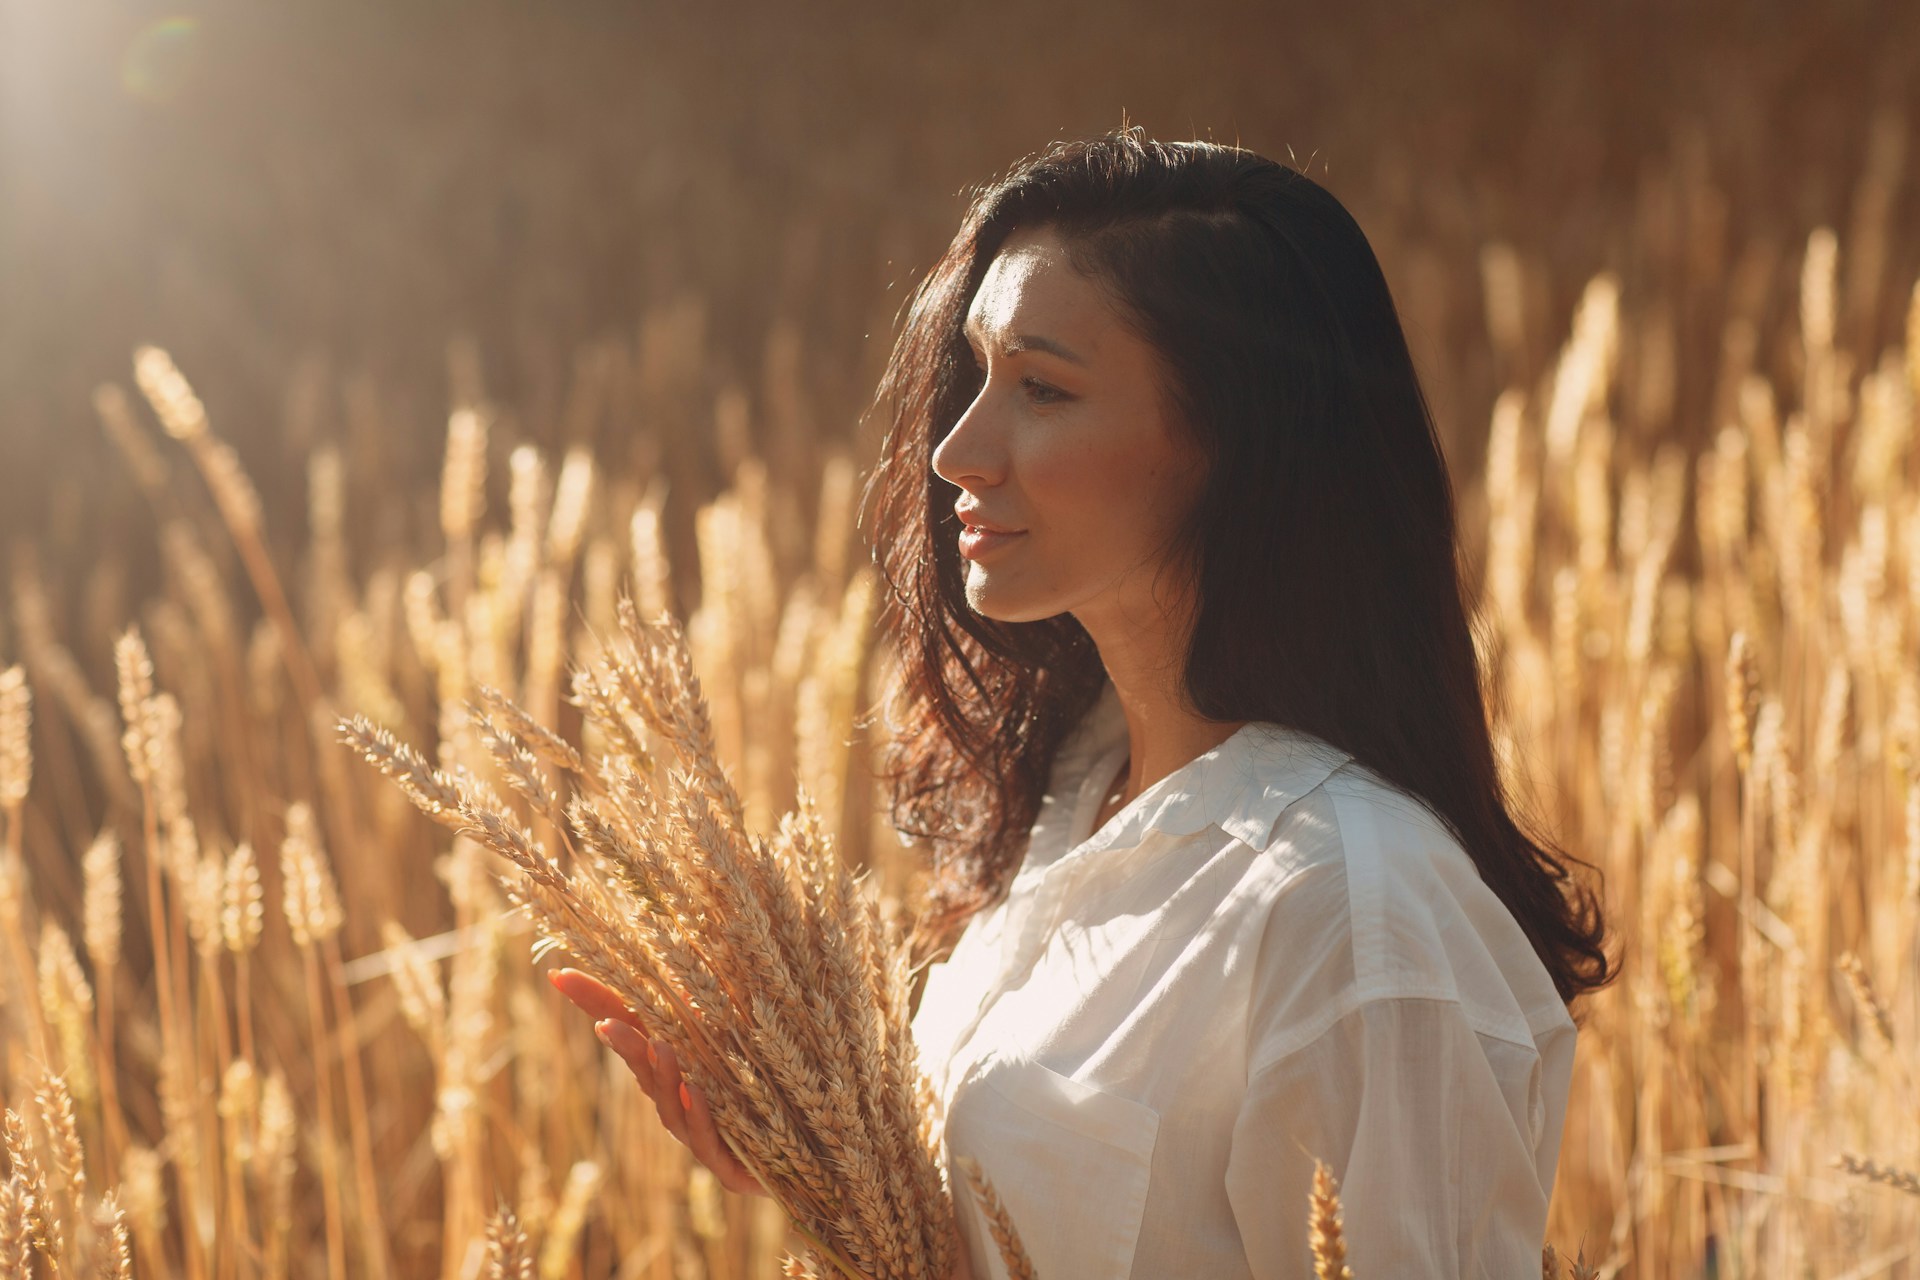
(1323, 1220)
(166, 776)
(811, 1267)
(42, 1217)
(66, 1001)
(651, 575)
(100, 873)
(16, 1226)
(463, 482)
(242, 904)
(1861, 984)
(1005, 1237)
(115, 1261)
(174, 403)
(542, 741)
(205, 888)
(239, 1107)
(572, 494)
(509, 1253)
(312, 905)
(527, 511)
(16, 741)
(63, 1135)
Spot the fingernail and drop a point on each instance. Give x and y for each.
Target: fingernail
(600, 1029)
(686, 1099)
(653, 1058)
(553, 977)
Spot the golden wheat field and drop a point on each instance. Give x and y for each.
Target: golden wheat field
(260, 1017)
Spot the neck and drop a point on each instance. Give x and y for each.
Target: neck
(1163, 732)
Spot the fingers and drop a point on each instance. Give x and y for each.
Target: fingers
(713, 1152)
(666, 1098)
(682, 1109)
(592, 995)
(632, 1048)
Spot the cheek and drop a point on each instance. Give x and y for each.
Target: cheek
(1104, 486)
(1101, 504)
(1073, 480)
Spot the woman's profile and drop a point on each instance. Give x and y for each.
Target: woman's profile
(1223, 877)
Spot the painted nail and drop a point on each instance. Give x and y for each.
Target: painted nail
(600, 1029)
(653, 1058)
(686, 1099)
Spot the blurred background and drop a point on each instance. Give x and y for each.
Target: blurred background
(503, 307)
(266, 189)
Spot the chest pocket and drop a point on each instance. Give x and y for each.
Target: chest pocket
(1070, 1163)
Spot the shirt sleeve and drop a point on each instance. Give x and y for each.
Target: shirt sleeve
(1428, 1126)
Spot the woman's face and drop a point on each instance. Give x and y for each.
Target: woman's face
(1068, 443)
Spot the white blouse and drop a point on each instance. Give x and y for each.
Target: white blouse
(1271, 954)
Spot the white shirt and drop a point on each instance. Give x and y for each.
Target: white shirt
(1270, 954)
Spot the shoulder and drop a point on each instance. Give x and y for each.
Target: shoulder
(1367, 896)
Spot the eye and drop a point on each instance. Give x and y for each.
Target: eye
(1052, 395)
(1040, 391)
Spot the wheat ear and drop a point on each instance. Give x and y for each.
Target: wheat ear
(1012, 1252)
(1323, 1219)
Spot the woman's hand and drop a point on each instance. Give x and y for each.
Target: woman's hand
(682, 1108)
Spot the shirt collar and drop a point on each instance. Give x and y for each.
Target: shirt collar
(1242, 785)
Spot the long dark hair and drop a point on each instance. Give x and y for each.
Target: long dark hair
(1323, 546)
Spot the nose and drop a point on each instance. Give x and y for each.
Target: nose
(972, 450)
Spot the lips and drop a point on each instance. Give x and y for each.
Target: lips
(977, 543)
(971, 517)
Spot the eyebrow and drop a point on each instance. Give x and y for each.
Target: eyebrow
(1029, 342)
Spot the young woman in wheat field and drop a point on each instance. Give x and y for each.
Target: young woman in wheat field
(1223, 877)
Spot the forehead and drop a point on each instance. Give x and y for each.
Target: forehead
(1033, 283)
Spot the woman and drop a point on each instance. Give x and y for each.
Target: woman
(1191, 719)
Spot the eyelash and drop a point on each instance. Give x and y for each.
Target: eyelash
(1034, 384)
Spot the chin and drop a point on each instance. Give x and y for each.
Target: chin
(1004, 606)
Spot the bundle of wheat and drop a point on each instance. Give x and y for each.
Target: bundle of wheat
(767, 967)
